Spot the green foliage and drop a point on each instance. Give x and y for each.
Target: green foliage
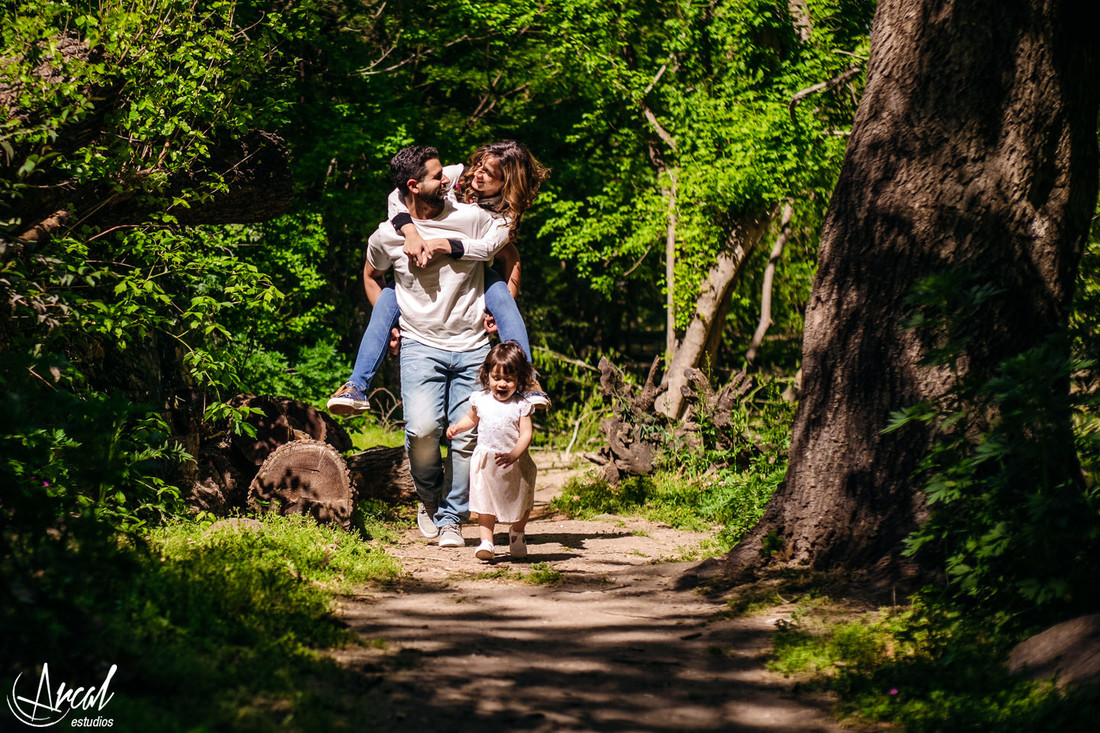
(1014, 520)
(698, 95)
(585, 498)
(726, 482)
(923, 668)
(214, 626)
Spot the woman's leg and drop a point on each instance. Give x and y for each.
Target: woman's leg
(510, 327)
(376, 339)
(500, 303)
(351, 398)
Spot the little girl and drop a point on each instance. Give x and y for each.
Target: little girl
(503, 178)
(502, 474)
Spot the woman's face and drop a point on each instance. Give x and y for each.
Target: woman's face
(487, 179)
(501, 384)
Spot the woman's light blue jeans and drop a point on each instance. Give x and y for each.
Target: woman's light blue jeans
(384, 317)
(435, 393)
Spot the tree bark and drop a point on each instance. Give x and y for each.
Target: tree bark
(706, 323)
(974, 149)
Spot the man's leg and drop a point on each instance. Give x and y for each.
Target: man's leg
(462, 381)
(423, 394)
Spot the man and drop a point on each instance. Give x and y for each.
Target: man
(440, 294)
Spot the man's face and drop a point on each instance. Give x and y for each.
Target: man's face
(430, 188)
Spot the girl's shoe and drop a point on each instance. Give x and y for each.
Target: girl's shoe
(485, 550)
(517, 544)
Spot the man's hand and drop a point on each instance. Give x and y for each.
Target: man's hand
(490, 323)
(395, 341)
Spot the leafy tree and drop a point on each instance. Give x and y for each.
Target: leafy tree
(947, 176)
(694, 139)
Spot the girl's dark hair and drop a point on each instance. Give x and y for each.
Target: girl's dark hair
(510, 358)
(521, 175)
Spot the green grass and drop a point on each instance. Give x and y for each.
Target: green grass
(729, 500)
(219, 627)
(541, 573)
(920, 670)
(366, 433)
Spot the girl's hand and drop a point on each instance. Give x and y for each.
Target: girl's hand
(452, 431)
(507, 459)
(414, 244)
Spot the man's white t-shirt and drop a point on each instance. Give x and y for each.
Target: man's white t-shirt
(442, 304)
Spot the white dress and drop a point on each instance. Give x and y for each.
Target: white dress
(506, 493)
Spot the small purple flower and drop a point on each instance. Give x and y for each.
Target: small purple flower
(893, 690)
(46, 484)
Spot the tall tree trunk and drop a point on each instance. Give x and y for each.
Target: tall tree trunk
(974, 149)
(710, 308)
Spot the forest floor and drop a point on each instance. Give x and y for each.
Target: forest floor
(612, 645)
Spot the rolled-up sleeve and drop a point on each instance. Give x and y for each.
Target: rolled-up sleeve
(486, 248)
(376, 247)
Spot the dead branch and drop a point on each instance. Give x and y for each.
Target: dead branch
(835, 81)
(766, 289)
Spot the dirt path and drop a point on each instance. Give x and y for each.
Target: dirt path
(461, 645)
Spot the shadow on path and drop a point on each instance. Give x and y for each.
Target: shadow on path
(630, 655)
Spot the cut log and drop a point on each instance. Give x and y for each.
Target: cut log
(383, 473)
(304, 477)
(282, 420)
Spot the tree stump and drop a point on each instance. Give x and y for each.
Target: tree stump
(304, 477)
(226, 462)
(631, 444)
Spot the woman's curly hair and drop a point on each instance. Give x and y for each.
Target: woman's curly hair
(521, 176)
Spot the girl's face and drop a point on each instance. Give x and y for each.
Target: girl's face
(487, 180)
(502, 385)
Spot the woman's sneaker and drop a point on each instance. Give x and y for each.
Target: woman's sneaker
(348, 400)
(537, 396)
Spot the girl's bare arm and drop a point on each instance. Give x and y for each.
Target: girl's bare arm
(526, 432)
(468, 422)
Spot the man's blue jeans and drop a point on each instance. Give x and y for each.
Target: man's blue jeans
(435, 389)
(384, 315)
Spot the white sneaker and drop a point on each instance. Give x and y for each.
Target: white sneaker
(485, 551)
(517, 544)
(450, 535)
(425, 521)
